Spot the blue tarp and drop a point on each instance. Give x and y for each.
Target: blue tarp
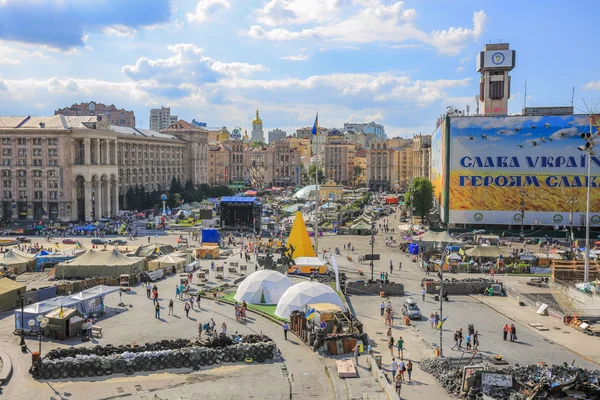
(413, 248)
(238, 199)
(50, 259)
(42, 253)
(87, 228)
(210, 236)
(453, 248)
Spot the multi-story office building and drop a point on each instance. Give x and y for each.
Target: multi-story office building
(357, 137)
(115, 116)
(276, 134)
(338, 161)
(161, 118)
(368, 128)
(389, 164)
(421, 156)
(79, 168)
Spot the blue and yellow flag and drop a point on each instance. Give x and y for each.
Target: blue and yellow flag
(78, 244)
(61, 314)
(56, 246)
(315, 129)
(310, 314)
(439, 325)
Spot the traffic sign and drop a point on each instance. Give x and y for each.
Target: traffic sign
(323, 325)
(371, 257)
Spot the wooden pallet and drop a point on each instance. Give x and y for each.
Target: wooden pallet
(537, 326)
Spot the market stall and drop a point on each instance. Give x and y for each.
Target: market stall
(168, 260)
(32, 311)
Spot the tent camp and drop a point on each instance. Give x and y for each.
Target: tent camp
(361, 226)
(155, 249)
(17, 260)
(100, 263)
(488, 251)
(9, 293)
(264, 287)
(63, 323)
(168, 260)
(32, 311)
(297, 296)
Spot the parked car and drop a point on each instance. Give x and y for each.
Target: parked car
(117, 242)
(411, 310)
(23, 239)
(68, 241)
(99, 241)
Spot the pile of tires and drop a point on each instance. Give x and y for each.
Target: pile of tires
(109, 349)
(130, 362)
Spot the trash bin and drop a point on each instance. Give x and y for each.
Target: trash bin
(35, 356)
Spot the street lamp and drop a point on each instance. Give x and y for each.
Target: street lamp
(372, 248)
(164, 201)
(43, 322)
(589, 149)
(21, 300)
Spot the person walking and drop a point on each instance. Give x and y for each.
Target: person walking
(423, 294)
(286, 328)
(398, 382)
(155, 296)
(409, 367)
(212, 324)
(391, 267)
(200, 331)
(400, 345)
(468, 341)
(401, 367)
(198, 298)
(427, 271)
(157, 310)
(460, 338)
(382, 307)
(455, 341)
(513, 333)
(148, 289)
(186, 307)
(394, 367)
(177, 291)
(505, 330)
(356, 351)
(171, 307)
(475, 340)
(437, 318)
(432, 320)
(492, 274)
(224, 328)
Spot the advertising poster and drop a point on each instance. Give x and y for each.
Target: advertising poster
(500, 164)
(438, 172)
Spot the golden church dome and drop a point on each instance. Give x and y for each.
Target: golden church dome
(257, 120)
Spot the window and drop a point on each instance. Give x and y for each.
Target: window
(53, 184)
(51, 173)
(37, 152)
(6, 173)
(22, 141)
(22, 183)
(36, 141)
(36, 173)
(52, 153)
(37, 162)
(22, 153)
(5, 140)
(6, 152)
(53, 195)
(53, 142)
(38, 195)
(22, 163)
(6, 162)
(53, 163)
(8, 194)
(22, 194)
(37, 184)
(7, 183)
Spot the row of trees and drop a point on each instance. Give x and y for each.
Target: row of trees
(139, 198)
(419, 197)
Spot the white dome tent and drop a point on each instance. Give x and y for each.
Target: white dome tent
(297, 296)
(270, 283)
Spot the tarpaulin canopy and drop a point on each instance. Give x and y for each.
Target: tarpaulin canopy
(309, 262)
(15, 259)
(86, 228)
(168, 260)
(102, 263)
(154, 249)
(488, 251)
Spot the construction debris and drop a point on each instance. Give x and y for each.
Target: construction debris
(536, 381)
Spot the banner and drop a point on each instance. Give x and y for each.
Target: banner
(337, 273)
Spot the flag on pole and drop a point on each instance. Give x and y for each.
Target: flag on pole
(61, 314)
(310, 314)
(439, 325)
(337, 273)
(78, 244)
(56, 246)
(315, 128)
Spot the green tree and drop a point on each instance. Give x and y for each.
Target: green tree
(420, 197)
(311, 172)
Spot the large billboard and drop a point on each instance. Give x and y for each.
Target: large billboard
(438, 172)
(501, 165)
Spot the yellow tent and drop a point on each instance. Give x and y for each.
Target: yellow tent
(299, 239)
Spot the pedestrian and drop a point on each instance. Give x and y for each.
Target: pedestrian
(171, 307)
(391, 267)
(356, 351)
(212, 325)
(191, 299)
(437, 318)
(148, 289)
(423, 294)
(400, 266)
(186, 307)
(286, 328)
(382, 307)
(200, 331)
(198, 298)
(409, 367)
(190, 277)
(391, 345)
(177, 291)
(505, 330)
(155, 296)
(386, 277)
(157, 310)
(468, 341)
(427, 270)
(400, 347)
(432, 320)
(398, 382)
(475, 340)
(402, 367)
(460, 338)
(181, 290)
(492, 274)
(224, 328)
(394, 367)
(455, 341)
(389, 333)
(513, 333)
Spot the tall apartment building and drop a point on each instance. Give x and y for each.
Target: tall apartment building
(65, 168)
(368, 128)
(421, 156)
(390, 165)
(338, 161)
(276, 134)
(115, 116)
(161, 118)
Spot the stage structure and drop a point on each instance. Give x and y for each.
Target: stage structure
(241, 213)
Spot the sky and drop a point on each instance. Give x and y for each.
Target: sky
(397, 63)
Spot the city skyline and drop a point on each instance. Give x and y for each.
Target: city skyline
(219, 60)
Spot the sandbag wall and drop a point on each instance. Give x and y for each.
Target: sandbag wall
(108, 360)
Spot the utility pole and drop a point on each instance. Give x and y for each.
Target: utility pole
(522, 213)
(372, 248)
(572, 202)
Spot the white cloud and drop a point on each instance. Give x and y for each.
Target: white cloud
(205, 8)
(460, 69)
(10, 55)
(593, 85)
(118, 30)
(299, 57)
(372, 21)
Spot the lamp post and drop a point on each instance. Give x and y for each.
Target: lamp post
(522, 214)
(589, 149)
(43, 322)
(21, 300)
(163, 198)
(372, 248)
(572, 202)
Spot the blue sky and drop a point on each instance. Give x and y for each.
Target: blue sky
(398, 63)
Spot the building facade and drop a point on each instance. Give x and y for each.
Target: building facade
(276, 134)
(306, 133)
(258, 135)
(389, 165)
(115, 116)
(161, 118)
(338, 161)
(80, 168)
(368, 128)
(421, 156)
